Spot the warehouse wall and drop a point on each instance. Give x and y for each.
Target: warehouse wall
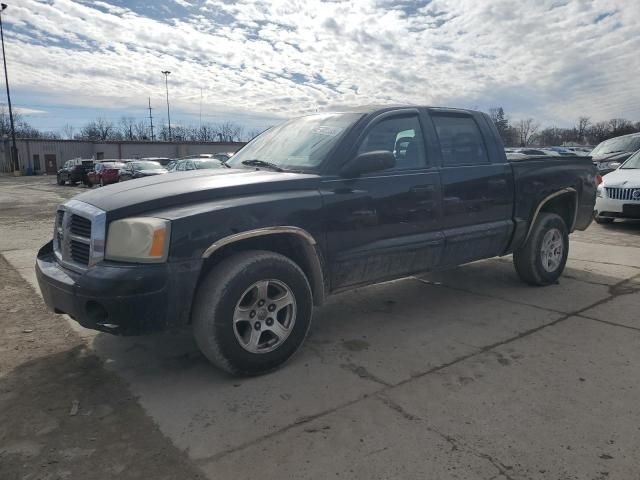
(33, 152)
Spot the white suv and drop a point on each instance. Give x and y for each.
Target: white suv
(619, 193)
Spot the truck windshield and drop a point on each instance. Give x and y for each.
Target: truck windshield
(299, 144)
(619, 144)
(633, 162)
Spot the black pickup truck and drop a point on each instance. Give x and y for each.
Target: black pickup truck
(317, 205)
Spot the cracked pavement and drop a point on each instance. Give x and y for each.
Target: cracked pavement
(466, 373)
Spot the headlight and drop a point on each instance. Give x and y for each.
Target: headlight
(141, 239)
(600, 191)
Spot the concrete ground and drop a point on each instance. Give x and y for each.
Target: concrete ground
(463, 374)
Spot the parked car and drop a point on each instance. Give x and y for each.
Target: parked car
(610, 154)
(562, 151)
(314, 206)
(581, 150)
(161, 160)
(140, 169)
(197, 164)
(532, 151)
(619, 193)
(104, 173)
(74, 171)
(223, 156)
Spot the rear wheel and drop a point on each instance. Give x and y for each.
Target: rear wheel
(252, 312)
(541, 260)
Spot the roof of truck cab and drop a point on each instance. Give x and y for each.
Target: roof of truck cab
(368, 109)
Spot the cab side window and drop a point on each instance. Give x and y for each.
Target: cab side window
(461, 141)
(400, 135)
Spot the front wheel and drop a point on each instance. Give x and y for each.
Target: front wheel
(60, 180)
(252, 312)
(541, 260)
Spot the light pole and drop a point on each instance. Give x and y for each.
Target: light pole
(14, 148)
(166, 84)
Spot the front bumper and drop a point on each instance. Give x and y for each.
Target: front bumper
(612, 208)
(118, 298)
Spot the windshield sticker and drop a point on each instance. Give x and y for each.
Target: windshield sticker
(327, 130)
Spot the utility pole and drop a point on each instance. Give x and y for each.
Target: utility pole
(201, 109)
(14, 147)
(151, 120)
(166, 84)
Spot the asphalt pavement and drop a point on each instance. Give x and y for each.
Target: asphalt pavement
(467, 373)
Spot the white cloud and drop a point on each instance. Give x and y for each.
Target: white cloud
(553, 60)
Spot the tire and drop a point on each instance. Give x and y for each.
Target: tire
(101, 182)
(230, 289)
(603, 220)
(536, 267)
(60, 180)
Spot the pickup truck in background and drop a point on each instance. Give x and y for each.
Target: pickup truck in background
(74, 171)
(317, 205)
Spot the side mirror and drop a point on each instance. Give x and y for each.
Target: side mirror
(369, 162)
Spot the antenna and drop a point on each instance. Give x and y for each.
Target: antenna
(151, 120)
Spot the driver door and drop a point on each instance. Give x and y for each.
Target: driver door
(385, 224)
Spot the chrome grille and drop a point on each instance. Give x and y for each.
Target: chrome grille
(78, 240)
(80, 226)
(623, 193)
(80, 252)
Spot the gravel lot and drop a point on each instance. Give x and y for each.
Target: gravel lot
(462, 374)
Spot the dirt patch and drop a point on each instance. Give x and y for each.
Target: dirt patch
(62, 415)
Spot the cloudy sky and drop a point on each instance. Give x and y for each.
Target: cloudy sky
(256, 61)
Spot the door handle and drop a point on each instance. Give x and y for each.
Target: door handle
(423, 189)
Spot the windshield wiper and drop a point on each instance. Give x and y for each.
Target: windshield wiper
(261, 163)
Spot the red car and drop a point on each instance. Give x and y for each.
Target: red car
(104, 173)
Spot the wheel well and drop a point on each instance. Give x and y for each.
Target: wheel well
(563, 205)
(292, 246)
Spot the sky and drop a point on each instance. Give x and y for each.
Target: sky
(257, 62)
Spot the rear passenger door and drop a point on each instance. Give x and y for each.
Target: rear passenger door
(477, 188)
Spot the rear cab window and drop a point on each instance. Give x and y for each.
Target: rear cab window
(461, 141)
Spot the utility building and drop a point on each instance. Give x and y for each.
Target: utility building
(41, 156)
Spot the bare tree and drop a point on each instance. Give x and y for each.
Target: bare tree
(253, 133)
(620, 126)
(598, 132)
(229, 131)
(141, 131)
(126, 128)
(99, 129)
(581, 128)
(67, 131)
(526, 130)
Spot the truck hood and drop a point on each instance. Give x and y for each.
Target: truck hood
(623, 177)
(612, 157)
(181, 188)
